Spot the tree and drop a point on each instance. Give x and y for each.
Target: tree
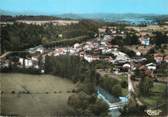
(160, 38)
(99, 108)
(124, 84)
(118, 40)
(145, 86)
(117, 90)
(163, 69)
(44, 40)
(88, 105)
(131, 39)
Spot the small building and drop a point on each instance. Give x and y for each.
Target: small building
(88, 58)
(39, 48)
(138, 53)
(151, 66)
(145, 41)
(158, 58)
(28, 63)
(60, 36)
(76, 45)
(166, 58)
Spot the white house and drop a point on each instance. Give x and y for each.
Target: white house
(28, 63)
(39, 48)
(151, 66)
(144, 41)
(88, 58)
(76, 45)
(21, 61)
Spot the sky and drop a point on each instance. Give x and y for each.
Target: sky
(86, 6)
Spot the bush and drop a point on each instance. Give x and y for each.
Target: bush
(124, 84)
(13, 92)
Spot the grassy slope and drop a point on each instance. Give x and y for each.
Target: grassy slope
(38, 103)
(156, 96)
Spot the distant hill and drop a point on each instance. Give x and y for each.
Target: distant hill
(107, 17)
(122, 18)
(3, 12)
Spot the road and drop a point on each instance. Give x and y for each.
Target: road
(4, 55)
(131, 90)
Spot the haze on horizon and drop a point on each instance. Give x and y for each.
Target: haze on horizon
(48, 7)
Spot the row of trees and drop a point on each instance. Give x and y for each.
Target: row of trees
(65, 42)
(71, 67)
(25, 17)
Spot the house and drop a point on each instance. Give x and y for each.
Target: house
(139, 59)
(60, 35)
(4, 64)
(120, 57)
(126, 65)
(166, 58)
(87, 48)
(138, 53)
(95, 58)
(102, 30)
(81, 54)
(151, 66)
(59, 51)
(107, 38)
(147, 70)
(158, 58)
(145, 41)
(88, 58)
(39, 48)
(28, 63)
(76, 45)
(106, 51)
(72, 51)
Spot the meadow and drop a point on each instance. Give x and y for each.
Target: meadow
(34, 95)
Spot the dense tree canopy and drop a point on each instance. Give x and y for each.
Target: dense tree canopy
(111, 85)
(22, 36)
(130, 39)
(160, 38)
(71, 67)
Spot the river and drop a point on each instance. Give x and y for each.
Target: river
(114, 103)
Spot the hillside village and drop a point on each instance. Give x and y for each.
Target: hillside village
(99, 49)
(142, 57)
(84, 58)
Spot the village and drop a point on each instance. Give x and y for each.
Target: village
(84, 58)
(100, 49)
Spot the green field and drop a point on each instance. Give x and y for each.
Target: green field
(34, 95)
(156, 95)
